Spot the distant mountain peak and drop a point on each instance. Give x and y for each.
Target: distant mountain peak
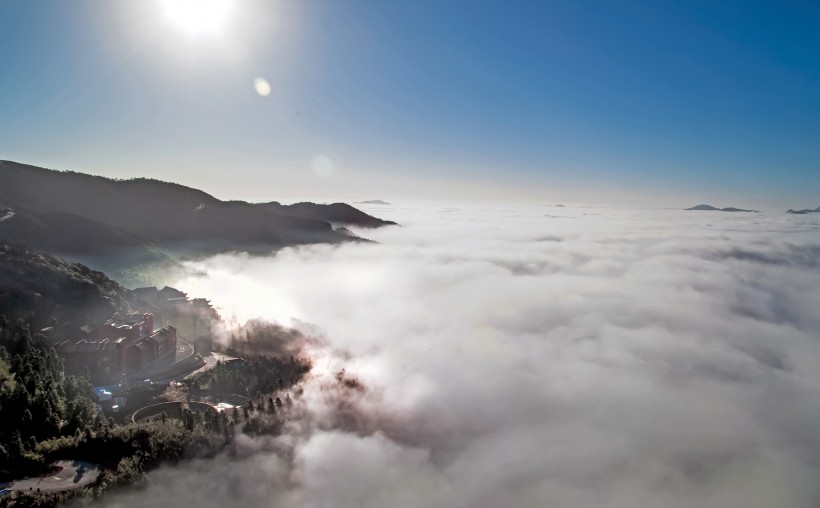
(804, 211)
(374, 202)
(710, 208)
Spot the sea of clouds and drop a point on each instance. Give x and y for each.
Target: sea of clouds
(533, 356)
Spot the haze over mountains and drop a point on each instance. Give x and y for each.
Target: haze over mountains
(142, 220)
(43, 286)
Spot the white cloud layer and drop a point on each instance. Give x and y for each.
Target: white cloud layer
(531, 356)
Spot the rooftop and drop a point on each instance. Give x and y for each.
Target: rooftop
(87, 346)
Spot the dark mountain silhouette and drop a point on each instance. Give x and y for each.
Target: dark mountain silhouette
(795, 212)
(711, 208)
(39, 286)
(336, 213)
(77, 214)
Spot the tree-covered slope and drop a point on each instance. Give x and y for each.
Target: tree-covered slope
(51, 291)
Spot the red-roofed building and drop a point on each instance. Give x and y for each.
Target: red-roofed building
(124, 343)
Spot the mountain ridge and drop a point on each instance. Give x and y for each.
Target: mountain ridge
(67, 213)
(710, 208)
(804, 211)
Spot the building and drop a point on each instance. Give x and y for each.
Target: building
(125, 343)
(163, 342)
(98, 356)
(193, 318)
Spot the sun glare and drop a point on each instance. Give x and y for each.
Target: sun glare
(198, 17)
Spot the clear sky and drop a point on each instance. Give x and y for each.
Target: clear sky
(664, 102)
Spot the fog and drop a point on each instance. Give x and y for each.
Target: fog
(533, 356)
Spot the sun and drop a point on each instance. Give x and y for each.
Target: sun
(198, 17)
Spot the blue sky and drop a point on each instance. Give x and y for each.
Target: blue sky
(663, 102)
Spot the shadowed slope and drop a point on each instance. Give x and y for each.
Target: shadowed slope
(75, 213)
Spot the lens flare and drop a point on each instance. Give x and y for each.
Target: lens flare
(322, 166)
(262, 86)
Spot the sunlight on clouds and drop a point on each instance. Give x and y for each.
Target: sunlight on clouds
(269, 300)
(656, 357)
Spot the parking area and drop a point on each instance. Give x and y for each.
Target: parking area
(65, 475)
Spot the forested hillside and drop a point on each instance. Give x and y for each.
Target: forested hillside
(50, 416)
(47, 291)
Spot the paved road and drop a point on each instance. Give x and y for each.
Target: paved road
(72, 474)
(210, 362)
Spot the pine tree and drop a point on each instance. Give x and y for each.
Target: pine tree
(16, 444)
